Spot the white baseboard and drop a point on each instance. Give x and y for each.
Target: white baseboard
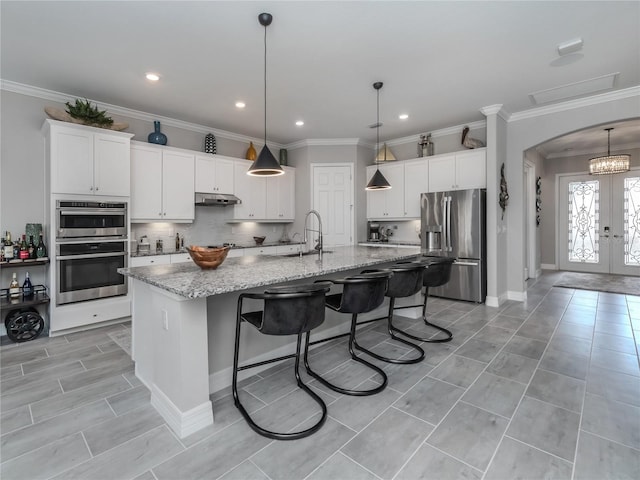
(182, 423)
(517, 296)
(548, 266)
(491, 301)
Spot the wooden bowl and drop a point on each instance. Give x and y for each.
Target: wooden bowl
(208, 257)
(259, 240)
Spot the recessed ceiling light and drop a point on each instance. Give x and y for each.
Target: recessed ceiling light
(299, 123)
(154, 77)
(240, 104)
(403, 116)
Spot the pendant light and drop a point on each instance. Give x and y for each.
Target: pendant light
(266, 164)
(378, 182)
(610, 163)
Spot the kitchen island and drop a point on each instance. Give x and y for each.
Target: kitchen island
(184, 322)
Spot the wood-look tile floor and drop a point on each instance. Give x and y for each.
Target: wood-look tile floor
(548, 388)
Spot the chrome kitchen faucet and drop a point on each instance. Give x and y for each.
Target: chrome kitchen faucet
(305, 239)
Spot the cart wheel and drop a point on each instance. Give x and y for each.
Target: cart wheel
(24, 325)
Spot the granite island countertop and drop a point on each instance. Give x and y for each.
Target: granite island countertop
(240, 273)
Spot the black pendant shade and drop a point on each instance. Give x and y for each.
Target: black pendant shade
(378, 182)
(266, 164)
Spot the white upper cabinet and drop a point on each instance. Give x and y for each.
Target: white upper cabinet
(458, 171)
(471, 169)
(416, 182)
(280, 201)
(387, 204)
(88, 161)
(252, 192)
(266, 199)
(214, 174)
(162, 184)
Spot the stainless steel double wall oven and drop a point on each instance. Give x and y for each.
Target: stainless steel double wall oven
(91, 244)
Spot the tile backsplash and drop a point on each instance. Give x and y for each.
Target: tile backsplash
(210, 227)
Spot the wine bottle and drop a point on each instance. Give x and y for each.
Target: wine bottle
(177, 242)
(24, 249)
(27, 287)
(16, 250)
(8, 247)
(41, 249)
(31, 247)
(14, 287)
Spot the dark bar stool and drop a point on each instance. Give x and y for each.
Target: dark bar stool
(406, 281)
(437, 272)
(289, 310)
(360, 294)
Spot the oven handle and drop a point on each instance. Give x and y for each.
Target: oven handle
(92, 255)
(81, 211)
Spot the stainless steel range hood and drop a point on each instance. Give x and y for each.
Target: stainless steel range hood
(216, 199)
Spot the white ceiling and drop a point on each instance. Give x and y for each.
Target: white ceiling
(440, 61)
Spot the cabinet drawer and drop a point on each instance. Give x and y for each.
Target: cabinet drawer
(150, 260)
(180, 258)
(286, 249)
(261, 250)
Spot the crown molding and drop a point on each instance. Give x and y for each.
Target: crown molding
(496, 109)
(325, 142)
(619, 150)
(53, 96)
(455, 130)
(578, 103)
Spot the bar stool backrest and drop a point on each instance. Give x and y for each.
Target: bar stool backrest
(363, 292)
(293, 309)
(406, 280)
(437, 273)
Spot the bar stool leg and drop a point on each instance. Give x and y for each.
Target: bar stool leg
(254, 426)
(391, 329)
(352, 343)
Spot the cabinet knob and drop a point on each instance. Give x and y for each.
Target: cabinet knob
(91, 189)
(97, 188)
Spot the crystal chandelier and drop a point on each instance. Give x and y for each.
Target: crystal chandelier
(610, 163)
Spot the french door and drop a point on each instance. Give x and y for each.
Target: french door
(599, 223)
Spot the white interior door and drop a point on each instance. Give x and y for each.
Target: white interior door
(598, 227)
(333, 199)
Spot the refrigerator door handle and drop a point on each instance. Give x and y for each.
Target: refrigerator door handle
(445, 241)
(449, 244)
(466, 264)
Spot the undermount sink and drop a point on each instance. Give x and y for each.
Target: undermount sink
(304, 254)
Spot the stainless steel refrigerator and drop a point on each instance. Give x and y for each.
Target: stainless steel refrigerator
(454, 225)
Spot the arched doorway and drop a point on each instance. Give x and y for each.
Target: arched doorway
(590, 223)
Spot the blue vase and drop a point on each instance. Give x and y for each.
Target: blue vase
(157, 136)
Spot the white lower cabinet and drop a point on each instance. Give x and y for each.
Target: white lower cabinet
(149, 260)
(287, 249)
(180, 258)
(270, 250)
